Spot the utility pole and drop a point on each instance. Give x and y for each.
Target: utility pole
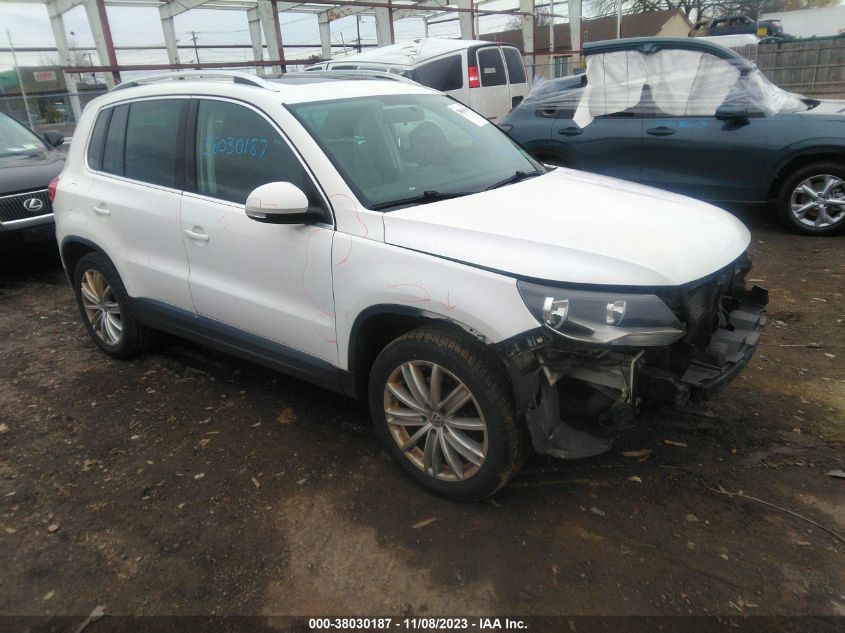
(20, 79)
(358, 27)
(196, 49)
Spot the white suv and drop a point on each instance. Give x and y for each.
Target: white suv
(382, 240)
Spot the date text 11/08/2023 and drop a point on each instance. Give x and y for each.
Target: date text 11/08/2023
(417, 624)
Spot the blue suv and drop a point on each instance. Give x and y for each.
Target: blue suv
(696, 118)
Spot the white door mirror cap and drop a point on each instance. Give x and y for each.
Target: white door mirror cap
(278, 203)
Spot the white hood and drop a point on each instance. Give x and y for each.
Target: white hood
(576, 227)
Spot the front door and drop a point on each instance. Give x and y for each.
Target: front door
(269, 280)
(610, 144)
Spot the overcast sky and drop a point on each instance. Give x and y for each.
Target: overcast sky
(29, 25)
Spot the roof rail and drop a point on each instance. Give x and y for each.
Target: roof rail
(236, 77)
(362, 73)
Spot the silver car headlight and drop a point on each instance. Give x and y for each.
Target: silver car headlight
(604, 318)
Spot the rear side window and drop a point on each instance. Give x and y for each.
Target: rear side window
(238, 150)
(98, 140)
(491, 67)
(152, 141)
(443, 74)
(115, 138)
(516, 71)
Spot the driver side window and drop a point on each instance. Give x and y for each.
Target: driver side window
(238, 150)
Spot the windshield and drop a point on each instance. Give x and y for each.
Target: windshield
(404, 149)
(16, 139)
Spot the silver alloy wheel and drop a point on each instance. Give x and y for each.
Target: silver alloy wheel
(101, 308)
(819, 201)
(445, 437)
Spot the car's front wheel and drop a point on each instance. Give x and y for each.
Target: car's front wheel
(443, 408)
(812, 199)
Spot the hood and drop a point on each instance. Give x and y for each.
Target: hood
(574, 227)
(30, 171)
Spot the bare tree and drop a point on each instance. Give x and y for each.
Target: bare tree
(541, 18)
(697, 9)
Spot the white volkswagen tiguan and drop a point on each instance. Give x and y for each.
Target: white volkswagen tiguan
(380, 239)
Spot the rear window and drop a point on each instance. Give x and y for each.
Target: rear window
(491, 67)
(98, 140)
(113, 153)
(516, 71)
(443, 74)
(152, 140)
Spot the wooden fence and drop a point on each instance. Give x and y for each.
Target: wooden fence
(814, 67)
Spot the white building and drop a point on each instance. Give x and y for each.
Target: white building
(817, 22)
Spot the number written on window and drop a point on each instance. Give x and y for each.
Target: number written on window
(236, 145)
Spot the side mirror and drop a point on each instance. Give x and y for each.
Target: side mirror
(53, 138)
(279, 203)
(732, 112)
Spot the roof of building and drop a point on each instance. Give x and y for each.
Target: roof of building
(634, 25)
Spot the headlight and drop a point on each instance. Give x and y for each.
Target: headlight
(606, 318)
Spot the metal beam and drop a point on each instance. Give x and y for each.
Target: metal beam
(401, 14)
(269, 23)
(175, 7)
(526, 8)
(575, 25)
(170, 43)
(98, 20)
(254, 22)
(57, 24)
(466, 20)
(139, 67)
(325, 26)
(384, 23)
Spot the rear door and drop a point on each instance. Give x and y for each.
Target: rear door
(134, 199)
(517, 78)
(493, 98)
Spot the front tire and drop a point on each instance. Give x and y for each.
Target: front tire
(104, 305)
(811, 200)
(443, 407)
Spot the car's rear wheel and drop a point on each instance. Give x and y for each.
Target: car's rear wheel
(812, 199)
(105, 309)
(443, 408)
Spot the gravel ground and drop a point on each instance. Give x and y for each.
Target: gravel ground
(188, 482)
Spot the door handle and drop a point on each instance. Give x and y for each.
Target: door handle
(660, 131)
(197, 236)
(571, 131)
(102, 211)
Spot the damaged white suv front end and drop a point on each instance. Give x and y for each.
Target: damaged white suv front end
(639, 295)
(601, 354)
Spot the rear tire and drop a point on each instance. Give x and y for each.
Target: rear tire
(811, 200)
(443, 407)
(105, 308)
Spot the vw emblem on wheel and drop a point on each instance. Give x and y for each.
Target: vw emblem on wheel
(33, 204)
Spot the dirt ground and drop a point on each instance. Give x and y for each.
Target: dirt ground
(189, 482)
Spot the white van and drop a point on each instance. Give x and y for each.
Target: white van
(490, 78)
